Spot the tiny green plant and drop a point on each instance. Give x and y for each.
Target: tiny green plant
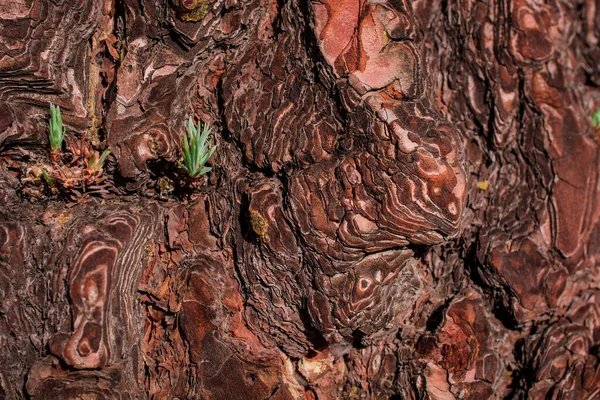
(49, 180)
(596, 119)
(95, 163)
(56, 131)
(196, 150)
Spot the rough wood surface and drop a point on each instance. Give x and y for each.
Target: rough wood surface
(404, 201)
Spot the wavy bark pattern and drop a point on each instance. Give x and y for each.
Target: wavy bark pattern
(403, 201)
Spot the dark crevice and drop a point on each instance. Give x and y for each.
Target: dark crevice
(522, 378)
(246, 230)
(499, 296)
(278, 21)
(437, 316)
(357, 339)
(312, 334)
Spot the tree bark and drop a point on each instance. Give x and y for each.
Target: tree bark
(404, 200)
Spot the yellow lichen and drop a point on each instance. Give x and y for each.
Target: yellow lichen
(165, 185)
(483, 185)
(63, 218)
(150, 248)
(153, 146)
(196, 11)
(259, 224)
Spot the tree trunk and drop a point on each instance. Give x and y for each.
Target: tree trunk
(403, 203)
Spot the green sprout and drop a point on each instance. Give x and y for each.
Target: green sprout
(596, 119)
(95, 164)
(195, 150)
(49, 180)
(56, 130)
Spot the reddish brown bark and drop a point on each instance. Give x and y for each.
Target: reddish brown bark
(403, 201)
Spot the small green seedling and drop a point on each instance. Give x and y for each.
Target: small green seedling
(596, 119)
(49, 180)
(195, 150)
(95, 163)
(56, 131)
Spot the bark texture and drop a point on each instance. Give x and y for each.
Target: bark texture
(404, 201)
